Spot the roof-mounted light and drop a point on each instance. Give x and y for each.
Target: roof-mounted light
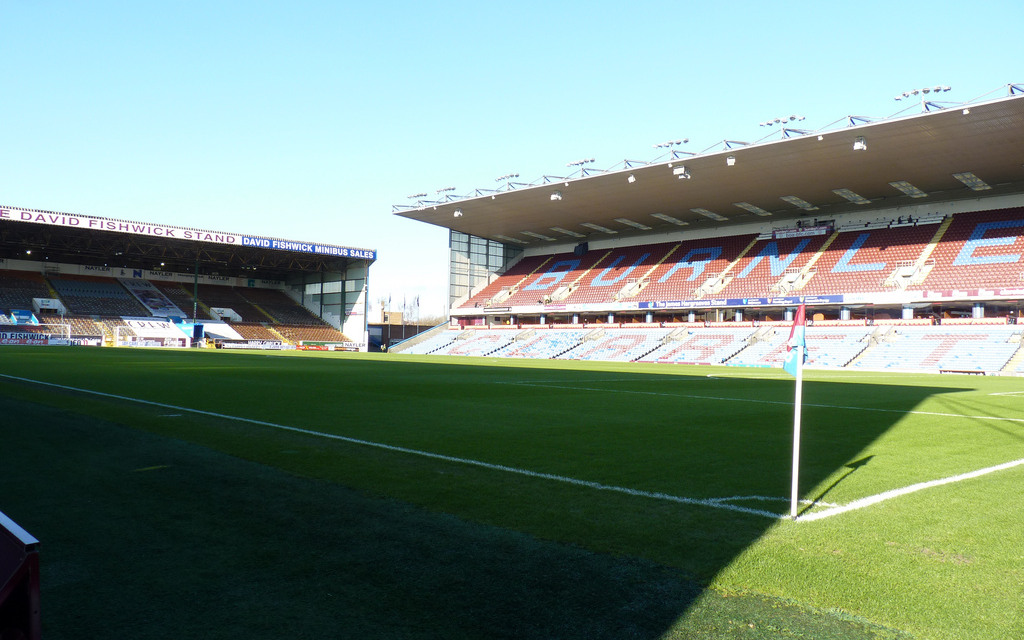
(972, 181)
(568, 232)
(752, 208)
(633, 223)
(597, 227)
(853, 197)
(717, 217)
(667, 218)
(908, 189)
(799, 202)
(539, 236)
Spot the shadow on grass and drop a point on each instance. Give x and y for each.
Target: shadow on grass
(150, 537)
(853, 466)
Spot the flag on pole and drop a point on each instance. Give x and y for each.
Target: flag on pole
(794, 366)
(796, 357)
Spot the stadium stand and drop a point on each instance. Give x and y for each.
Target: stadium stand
(100, 308)
(933, 251)
(18, 288)
(980, 250)
(543, 343)
(663, 271)
(826, 346)
(179, 295)
(477, 342)
(971, 348)
(614, 272)
(430, 344)
(701, 345)
(867, 259)
(92, 295)
(254, 331)
(616, 345)
(691, 269)
(230, 299)
(280, 307)
(762, 269)
(928, 252)
(556, 279)
(303, 333)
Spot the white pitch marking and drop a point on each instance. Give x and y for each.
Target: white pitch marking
(716, 503)
(920, 486)
(713, 503)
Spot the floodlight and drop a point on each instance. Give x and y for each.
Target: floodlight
(556, 195)
(860, 144)
(972, 181)
(633, 223)
(730, 161)
(539, 236)
(458, 213)
(908, 189)
(752, 208)
(853, 197)
(631, 179)
(709, 214)
(668, 218)
(681, 173)
(568, 232)
(509, 239)
(799, 202)
(597, 227)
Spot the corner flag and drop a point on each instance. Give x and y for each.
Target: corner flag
(794, 366)
(796, 346)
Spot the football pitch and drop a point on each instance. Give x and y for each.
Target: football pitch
(227, 495)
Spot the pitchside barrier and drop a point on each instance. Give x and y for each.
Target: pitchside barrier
(19, 582)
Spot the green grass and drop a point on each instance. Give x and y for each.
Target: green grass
(268, 531)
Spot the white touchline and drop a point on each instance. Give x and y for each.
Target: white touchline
(710, 502)
(714, 503)
(893, 493)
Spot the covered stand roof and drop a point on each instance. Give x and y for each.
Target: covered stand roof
(46, 236)
(936, 152)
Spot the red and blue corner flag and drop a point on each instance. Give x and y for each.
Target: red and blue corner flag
(796, 357)
(794, 366)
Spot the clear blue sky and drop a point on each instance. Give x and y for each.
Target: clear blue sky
(308, 120)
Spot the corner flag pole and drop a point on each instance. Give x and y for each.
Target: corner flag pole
(793, 364)
(797, 402)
